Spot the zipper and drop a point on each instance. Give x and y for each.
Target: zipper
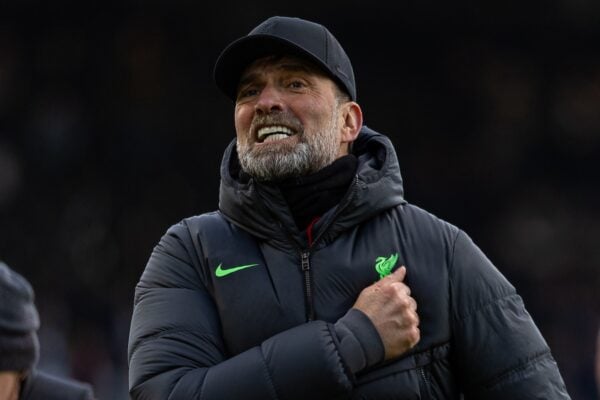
(305, 257)
(305, 253)
(422, 371)
(426, 383)
(308, 297)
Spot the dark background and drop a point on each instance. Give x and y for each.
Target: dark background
(111, 130)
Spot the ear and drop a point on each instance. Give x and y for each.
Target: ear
(352, 121)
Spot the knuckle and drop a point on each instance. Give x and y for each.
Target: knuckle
(412, 320)
(413, 303)
(403, 302)
(414, 335)
(404, 287)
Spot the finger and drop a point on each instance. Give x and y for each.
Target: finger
(399, 274)
(401, 288)
(411, 319)
(413, 304)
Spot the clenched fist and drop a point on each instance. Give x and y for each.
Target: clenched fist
(393, 312)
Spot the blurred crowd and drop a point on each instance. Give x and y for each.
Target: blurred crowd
(111, 130)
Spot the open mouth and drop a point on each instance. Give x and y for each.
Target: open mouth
(275, 132)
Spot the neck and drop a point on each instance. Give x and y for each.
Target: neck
(310, 196)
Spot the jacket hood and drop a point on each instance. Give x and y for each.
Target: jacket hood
(260, 209)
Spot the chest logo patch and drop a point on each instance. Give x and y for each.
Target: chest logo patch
(384, 266)
(221, 272)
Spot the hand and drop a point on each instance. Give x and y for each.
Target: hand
(393, 312)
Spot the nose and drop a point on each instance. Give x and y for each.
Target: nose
(269, 100)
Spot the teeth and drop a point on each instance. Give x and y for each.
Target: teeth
(269, 130)
(275, 136)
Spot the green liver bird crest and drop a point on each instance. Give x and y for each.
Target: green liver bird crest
(384, 265)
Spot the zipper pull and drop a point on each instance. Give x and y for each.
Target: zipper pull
(308, 295)
(305, 263)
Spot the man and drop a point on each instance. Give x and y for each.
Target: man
(19, 348)
(597, 364)
(316, 279)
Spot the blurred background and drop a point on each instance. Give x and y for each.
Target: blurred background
(111, 130)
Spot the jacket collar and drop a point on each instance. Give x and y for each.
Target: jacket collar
(261, 209)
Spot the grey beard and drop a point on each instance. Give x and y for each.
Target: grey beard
(275, 165)
(312, 152)
(308, 156)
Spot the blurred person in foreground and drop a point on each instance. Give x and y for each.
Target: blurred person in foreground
(315, 279)
(19, 348)
(597, 366)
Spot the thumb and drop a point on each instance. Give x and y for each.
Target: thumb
(399, 274)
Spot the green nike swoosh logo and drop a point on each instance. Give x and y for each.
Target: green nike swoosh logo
(220, 272)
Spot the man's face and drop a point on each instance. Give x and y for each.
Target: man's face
(10, 383)
(287, 119)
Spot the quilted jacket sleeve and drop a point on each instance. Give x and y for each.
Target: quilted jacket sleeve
(500, 353)
(176, 350)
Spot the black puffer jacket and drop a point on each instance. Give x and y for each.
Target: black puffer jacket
(42, 386)
(237, 305)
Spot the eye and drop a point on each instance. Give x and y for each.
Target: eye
(296, 84)
(247, 92)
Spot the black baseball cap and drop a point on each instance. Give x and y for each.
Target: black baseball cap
(285, 36)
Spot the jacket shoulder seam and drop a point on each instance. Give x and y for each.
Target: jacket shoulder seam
(454, 241)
